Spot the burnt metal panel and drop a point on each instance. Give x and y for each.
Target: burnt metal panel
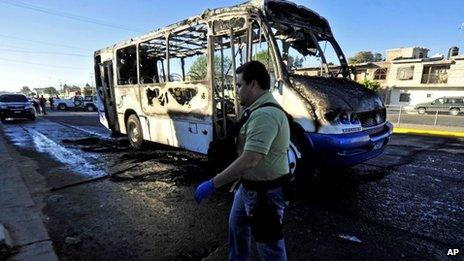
(335, 95)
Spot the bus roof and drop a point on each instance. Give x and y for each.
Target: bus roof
(277, 11)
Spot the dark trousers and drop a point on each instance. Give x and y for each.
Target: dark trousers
(42, 106)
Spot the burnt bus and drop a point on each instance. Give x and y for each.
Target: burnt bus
(176, 85)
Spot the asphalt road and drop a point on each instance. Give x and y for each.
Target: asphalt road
(406, 204)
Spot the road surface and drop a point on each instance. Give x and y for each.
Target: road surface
(116, 203)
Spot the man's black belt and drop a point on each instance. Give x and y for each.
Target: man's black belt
(267, 184)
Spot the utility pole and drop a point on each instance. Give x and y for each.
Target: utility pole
(461, 30)
(92, 79)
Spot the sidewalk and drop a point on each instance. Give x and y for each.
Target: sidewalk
(18, 213)
(445, 131)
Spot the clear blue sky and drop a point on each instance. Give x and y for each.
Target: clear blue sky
(358, 25)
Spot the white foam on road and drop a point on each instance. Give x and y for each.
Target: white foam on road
(78, 163)
(17, 135)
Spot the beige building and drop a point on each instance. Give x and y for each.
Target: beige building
(408, 76)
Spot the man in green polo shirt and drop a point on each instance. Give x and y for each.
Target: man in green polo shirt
(262, 146)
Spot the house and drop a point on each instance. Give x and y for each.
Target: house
(417, 79)
(408, 76)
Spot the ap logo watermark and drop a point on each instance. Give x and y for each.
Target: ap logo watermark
(452, 252)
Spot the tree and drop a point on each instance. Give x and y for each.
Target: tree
(296, 62)
(372, 85)
(25, 90)
(199, 68)
(264, 57)
(50, 91)
(378, 57)
(89, 91)
(365, 56)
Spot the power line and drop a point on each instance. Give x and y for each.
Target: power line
(42, 64)
(42, 42)
(68, 15)
(44, 52)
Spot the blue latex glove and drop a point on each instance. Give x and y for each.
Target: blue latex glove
(204, 190)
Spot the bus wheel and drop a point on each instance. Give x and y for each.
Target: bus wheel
(134, 131)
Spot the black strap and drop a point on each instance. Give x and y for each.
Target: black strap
(262, 187)
(247, 113)
(266, 185)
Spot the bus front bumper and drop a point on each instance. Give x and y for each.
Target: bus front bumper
(344, 150)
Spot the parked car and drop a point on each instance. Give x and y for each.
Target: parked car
(87, 103)
(451, 105)
(90, 103)
(15, 106)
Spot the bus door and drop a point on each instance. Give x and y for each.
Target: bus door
(230, 51)
(106, 95)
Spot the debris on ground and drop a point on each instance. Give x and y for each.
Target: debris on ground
(350, 238)
(98, 145)
(72, 240)
(55, 198)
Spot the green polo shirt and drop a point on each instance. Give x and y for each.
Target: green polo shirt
(266, 132)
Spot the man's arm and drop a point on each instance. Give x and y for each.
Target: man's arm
(259, 136)
(246, 161)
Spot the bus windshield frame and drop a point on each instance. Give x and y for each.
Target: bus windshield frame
(303, 31)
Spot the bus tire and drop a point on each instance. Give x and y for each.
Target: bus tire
(134, 131)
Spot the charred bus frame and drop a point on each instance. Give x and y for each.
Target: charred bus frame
(145, 95)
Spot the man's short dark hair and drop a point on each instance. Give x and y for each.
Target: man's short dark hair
(255, 70)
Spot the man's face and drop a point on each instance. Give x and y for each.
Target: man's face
(244, 90)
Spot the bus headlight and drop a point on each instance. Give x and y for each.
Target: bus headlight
(344, 118)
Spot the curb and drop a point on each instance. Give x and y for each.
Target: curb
(19, 214)
(452, 134)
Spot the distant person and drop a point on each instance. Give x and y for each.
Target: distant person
(42, 102)
(35, 103)
(52, 107)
